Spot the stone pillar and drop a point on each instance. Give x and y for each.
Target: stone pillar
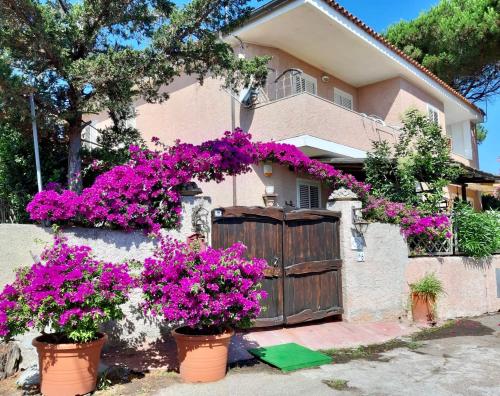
(343, 201)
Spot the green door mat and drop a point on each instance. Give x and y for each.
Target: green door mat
(289, 357)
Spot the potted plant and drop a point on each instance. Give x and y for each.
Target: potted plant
(424, 294)
(206, 294)
(66, 296)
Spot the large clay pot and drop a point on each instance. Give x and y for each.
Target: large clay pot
(202, 358)
(422, 308)
(68, 369)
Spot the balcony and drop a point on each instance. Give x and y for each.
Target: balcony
(288, 107)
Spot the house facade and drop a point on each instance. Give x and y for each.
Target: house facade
(334, 86)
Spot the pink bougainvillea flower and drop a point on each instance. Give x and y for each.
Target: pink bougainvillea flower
(212, 288)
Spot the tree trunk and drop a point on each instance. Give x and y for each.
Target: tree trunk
(74, 157)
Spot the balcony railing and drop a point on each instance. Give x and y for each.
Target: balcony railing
(288, 83)
(279, 111)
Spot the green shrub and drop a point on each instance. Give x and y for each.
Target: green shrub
(478, 233)
(429, 287)
(490, 202)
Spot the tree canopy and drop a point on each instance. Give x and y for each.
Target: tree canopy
(459, 41)
(89, 56)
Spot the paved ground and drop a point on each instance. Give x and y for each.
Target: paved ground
(329, 334)
(459, 359)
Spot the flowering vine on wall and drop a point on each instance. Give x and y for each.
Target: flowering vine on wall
(145, 193)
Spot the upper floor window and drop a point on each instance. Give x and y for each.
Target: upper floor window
(308, 194)
(304, 83)
(90, 135)
(342, 98)
(433, 114)
(461, 139)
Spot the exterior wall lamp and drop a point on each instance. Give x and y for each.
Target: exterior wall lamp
(360, 224)
(268, 170)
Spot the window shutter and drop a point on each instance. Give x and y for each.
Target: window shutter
(342, 98)
(304, 201)
(461, 139)
(308, 196)
(304, 83)
(467, 140)
(89, 135)
(314, 196)
(86, 135)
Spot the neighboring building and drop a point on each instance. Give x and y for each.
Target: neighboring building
(334, 87)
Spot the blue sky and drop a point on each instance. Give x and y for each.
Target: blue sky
(381, 13)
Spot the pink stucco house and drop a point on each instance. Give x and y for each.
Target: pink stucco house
(334, 86)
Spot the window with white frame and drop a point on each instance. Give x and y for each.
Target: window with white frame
(461, 139)
(304, 83)
(433, 114)
(90, 135)
(342, 98)
(308, 194)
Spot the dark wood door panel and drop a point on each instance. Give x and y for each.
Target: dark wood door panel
(263, 238)
(312, 266)
(313, 296)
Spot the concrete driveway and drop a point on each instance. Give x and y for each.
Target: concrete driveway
(463, 360)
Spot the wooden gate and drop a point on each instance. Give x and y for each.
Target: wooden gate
(302, 249)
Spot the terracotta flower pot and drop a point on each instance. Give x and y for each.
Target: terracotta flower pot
(202, 358)
(68, 369)
(422, 308)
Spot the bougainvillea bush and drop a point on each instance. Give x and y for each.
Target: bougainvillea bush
(412, 221)
(206, 290)
(68, 293)
(291, 156)
(145, 193)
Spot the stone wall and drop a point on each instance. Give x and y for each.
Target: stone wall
(377, 272)
(471, 286)
(374, 264)
(21, 245)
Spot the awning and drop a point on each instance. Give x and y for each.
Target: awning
(471, 175)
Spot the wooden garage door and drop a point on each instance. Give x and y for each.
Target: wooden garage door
(302, 250)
